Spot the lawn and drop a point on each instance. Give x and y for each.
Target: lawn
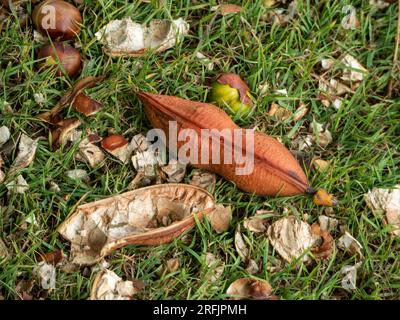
(364, 152)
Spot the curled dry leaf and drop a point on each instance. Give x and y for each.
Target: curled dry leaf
(300, 112)
(275, 170)
(26, 154)
(53, 116)
(323, 198)
(386, 201)
(353, 71)
(350, 276)
(203, 179)
(109, 286)
(324, 245)
(241, 246)
(280, 16)
(348, 243)
(127, 38)
(65, 132)
(220, 218)
(4, 135)
(246, 288)
(215, 267)
(148, 216)
(90, 153)
(206, 61)
(86, 105)
(118, 146)
(47, 275)
(291, 238)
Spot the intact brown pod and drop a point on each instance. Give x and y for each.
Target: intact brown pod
(60, 19)
(64, 54)
(276, 171)
(148, 216)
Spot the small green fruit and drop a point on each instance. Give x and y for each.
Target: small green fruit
(223, 94)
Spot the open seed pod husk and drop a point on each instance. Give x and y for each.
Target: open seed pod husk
(148, 216)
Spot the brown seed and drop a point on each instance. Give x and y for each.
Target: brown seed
(60, 19)
(86, 105)
(113, 142)
(64, 54)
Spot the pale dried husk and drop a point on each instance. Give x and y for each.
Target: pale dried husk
(148, 216)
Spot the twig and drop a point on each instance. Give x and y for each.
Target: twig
(396, 53)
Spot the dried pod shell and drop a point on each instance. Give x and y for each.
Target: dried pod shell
(86, 105)
(149, 216)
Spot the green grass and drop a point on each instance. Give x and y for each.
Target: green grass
(364, 153)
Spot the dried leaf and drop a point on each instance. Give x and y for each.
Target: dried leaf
(220, 218)
(348, 243)
(203, 179)
(327, 223)
(353, 70)
(127, 38)
(47, 275)
(252, 267)
(326, 244)
(90, 153)
(255, 224)
(350, 276)
(320, 165)
(215, 267)
(139, 143)
(300, 112)
(65, 132)
(291, 238)
(4, 135)
(147, 216)
(26, 154)
(246, 288)
(240, 245)
(173, 264)
(18, 185)
(279, 113)
(322, 135)
(2, 174)
(109, 286)
(205, 60)
(78, 174)
(386, 201)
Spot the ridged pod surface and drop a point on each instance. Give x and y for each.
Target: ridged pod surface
(276, 172)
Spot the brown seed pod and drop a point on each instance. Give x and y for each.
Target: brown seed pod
(60, 19)
(68, 56)
(148, 216)
(276, 171)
